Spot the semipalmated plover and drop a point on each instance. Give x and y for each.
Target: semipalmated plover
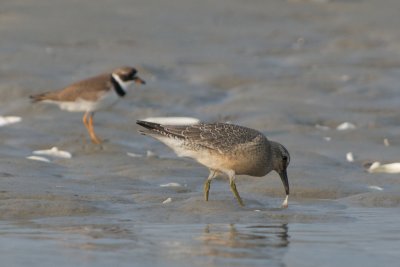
(224, 148)
(92, 94)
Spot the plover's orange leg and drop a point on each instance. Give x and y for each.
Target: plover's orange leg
(90, 128)
(84, 120)
(233, 188)
(207, 183)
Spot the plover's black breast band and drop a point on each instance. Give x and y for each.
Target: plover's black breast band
(117, 87)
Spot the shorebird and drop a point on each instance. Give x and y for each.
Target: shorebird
(224, 148)
(92, 94)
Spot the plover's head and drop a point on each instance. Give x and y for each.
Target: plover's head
(280, 161)
(127, 75)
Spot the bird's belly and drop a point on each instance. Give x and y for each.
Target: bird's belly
(250, 169)
(105, 101)
(241, 165)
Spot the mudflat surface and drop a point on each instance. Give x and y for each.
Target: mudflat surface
(294, 70)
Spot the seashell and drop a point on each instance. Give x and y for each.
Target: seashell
(54, 152)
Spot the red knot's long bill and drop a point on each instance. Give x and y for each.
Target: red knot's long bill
(224, 148)
(92, 94)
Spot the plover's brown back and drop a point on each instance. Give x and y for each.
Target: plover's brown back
(225, 148)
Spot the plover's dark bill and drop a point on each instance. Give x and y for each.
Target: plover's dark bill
(92, 94)
(224, 148)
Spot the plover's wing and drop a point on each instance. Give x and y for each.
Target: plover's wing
(84, 89)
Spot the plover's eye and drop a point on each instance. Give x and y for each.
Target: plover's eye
(128, 76)
(132, 74)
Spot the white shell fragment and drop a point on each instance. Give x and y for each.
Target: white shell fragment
(350, 157)
(173, 120)
(134, 155)
(345, 126)
(386, 142)
(168, 200)
(171, 185)
(385, 168)
(375, 187)
(151, 154)
(9, 120)
(54, 152)
(285, 203)
(38, 158)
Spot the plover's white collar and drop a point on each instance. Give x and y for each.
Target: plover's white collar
(124, 85)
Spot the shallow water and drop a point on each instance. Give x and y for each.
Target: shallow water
(367, 237)
(282, 67)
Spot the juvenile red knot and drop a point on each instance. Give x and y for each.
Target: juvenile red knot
(224, 148)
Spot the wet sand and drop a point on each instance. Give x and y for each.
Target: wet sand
(294, 70)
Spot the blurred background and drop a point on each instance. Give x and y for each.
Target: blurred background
(319, 76)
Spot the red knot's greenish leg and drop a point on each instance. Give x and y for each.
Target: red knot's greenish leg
(207, 184)
(233, 188)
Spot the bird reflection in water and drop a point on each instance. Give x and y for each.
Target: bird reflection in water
(245, 242)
